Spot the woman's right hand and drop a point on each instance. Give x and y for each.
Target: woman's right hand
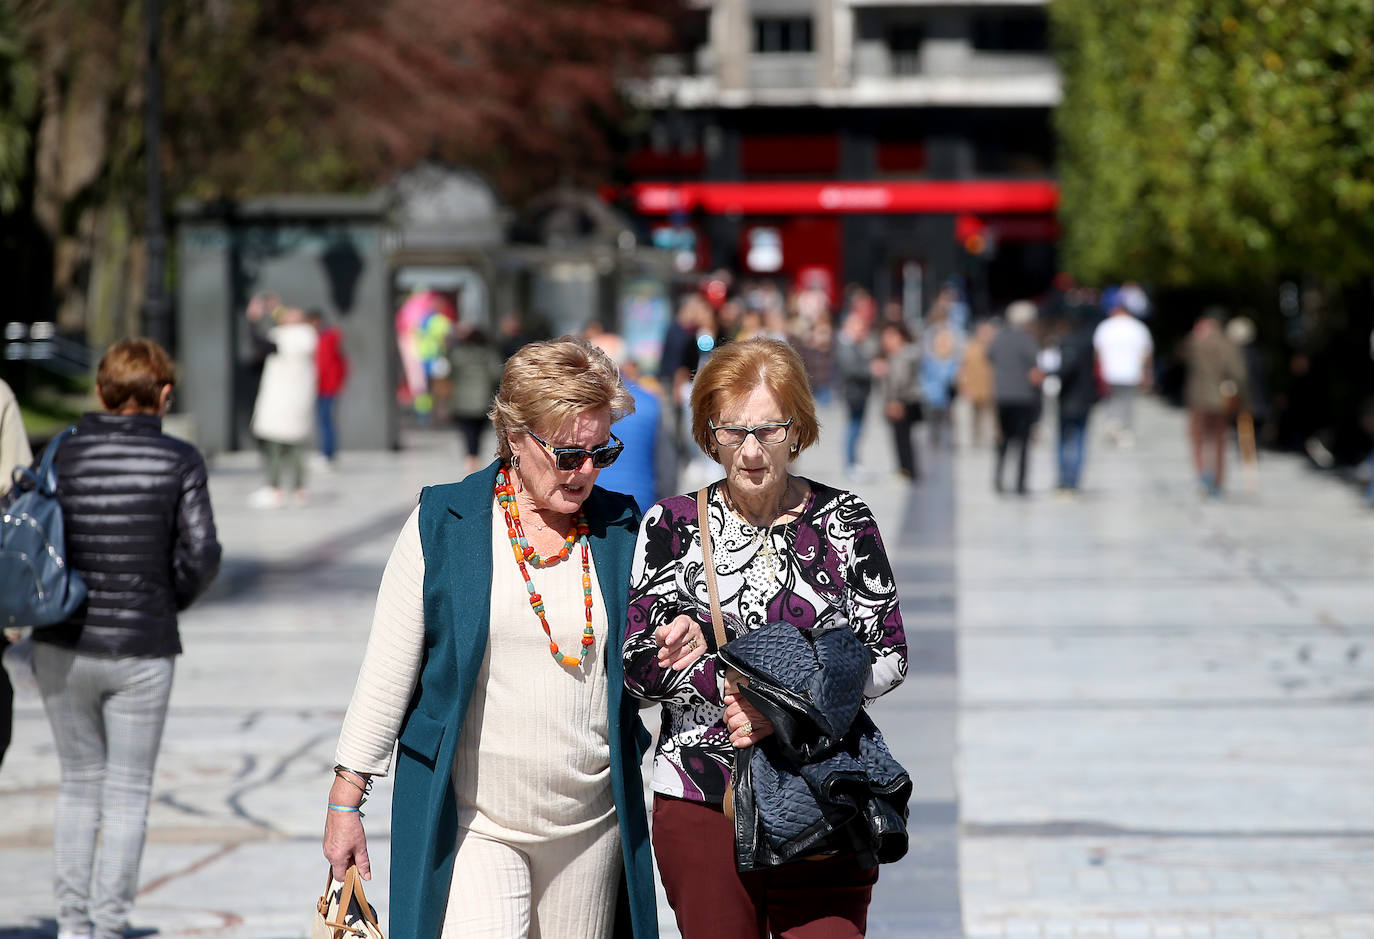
(680, 643)
(345, 843)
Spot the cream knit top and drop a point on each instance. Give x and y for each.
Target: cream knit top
(533, 758)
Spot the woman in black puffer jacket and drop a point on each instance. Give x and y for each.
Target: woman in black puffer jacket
(140, 532)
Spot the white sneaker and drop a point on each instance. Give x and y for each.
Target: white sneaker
(266, 498)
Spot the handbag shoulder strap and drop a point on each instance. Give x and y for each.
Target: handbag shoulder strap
(352, 889)
(704, 524)
(364, 908)
(708, 557)
(47, 470)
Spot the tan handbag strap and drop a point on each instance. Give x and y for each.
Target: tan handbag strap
(717, 620)
(352, 890)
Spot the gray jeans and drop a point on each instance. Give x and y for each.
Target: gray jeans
(107, 716)
(1121, 407)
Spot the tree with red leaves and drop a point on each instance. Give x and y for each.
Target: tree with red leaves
(267, 96)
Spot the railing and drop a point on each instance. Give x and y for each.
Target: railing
(40, 344)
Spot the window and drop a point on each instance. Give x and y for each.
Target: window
(1011, 31)
(904, 40)
(773, 34)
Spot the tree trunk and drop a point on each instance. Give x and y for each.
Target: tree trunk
(72, 157)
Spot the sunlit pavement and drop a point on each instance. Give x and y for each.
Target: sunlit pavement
(1135, 714)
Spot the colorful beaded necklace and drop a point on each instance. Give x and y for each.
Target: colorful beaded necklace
(524, 551)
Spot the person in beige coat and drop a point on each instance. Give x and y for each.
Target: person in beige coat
(14, 441)
(284, 412)
(974, 380)
(14, 451)
(1213, 392)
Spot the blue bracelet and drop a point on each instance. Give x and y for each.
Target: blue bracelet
(344, 808)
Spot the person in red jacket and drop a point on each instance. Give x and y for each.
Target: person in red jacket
(331, 367)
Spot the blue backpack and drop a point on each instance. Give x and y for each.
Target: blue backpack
(37, 587)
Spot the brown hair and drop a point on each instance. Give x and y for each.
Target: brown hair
(737, 368)
(132, 374)
(547, 383)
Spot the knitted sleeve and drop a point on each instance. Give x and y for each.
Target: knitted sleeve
(391, 663)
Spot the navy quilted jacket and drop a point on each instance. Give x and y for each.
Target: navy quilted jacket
(825, 780)
(140, 532)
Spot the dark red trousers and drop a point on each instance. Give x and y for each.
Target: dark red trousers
(695, 848)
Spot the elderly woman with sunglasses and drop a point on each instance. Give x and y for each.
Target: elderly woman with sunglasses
(784, 548)
(517, 808)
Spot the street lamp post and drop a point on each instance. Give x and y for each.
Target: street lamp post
(156, 318)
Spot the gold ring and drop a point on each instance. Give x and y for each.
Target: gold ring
(692, 644)
(747, 728)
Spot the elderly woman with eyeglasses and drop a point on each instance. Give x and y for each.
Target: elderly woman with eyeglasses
(518, 808)
(785, 548)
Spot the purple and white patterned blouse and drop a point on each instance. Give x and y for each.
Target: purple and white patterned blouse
(827, 565)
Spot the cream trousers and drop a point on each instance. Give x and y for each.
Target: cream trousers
(563, 889)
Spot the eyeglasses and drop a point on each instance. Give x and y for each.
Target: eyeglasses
(568, 459)
(733, 436)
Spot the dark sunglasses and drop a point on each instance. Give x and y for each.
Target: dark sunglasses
(568, 459)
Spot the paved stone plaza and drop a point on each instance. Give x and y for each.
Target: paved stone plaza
(1135, 714)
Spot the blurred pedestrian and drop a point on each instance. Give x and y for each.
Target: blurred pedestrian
(901, 384)
(474, 371)
(284, 413)
(1016, 380)
(331, 369)
(14, 452)
(939, 376)
(1241, 331)
(636, 472)
(974, 382)
(855, 351)
(141, 533)
(1213, 391)
(1125, 355)
(518, 807)
(817, 338)
(1078, 392)
(510, 335)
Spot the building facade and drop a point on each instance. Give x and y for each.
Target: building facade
(891, 144)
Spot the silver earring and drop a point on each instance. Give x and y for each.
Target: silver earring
(515, 461)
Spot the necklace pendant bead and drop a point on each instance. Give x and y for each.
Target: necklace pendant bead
(522, 550)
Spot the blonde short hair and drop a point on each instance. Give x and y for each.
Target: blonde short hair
(546, 384)
(737, 368)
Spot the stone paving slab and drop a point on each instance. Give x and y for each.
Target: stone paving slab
(1165, 700)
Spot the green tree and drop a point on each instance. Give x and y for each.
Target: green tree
(18, 105)
(1216, 142)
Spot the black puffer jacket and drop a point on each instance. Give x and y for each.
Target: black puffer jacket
(140, 533)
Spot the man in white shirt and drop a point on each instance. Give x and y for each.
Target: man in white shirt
(1125, 353)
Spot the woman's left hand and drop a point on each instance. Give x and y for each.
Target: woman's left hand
(680, 643)
(746, 725)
